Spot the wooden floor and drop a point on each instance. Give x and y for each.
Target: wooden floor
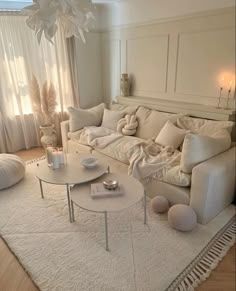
(14, 278)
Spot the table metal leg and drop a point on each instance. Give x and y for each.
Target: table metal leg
(106, 231)
(72, 211)
(41, 188)
(145, 208)
(68, 199)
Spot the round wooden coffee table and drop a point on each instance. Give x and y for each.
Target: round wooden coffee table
(69, 174)
(133, 193)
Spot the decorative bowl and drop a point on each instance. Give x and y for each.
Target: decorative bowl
(88, 162)
(110, 184)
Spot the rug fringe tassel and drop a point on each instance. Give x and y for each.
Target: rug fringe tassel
(200, 269)
(35, 160)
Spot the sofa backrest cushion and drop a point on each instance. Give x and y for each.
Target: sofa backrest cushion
(111, 118)
(126, 108)
(203, 126)
(150, 122)
(198, 148)
(79, 118)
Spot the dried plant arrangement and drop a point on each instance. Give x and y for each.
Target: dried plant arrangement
(44, 104)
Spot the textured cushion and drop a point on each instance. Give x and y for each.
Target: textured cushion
(182, 217)
(171, 135)
(127, 125)
(150, 122)
(12, 170)
(198, 148)
(80, 118)
(159, 204)
(111, 118)
(203, 126)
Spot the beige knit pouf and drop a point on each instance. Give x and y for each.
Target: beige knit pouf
(160, 204)
(182, 217)
(12, 170)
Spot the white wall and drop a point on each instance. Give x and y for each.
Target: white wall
(140, 11)
(89, 63)
(182, 59)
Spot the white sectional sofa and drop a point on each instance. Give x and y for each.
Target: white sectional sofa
(212, 180)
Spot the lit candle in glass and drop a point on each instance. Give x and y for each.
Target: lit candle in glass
(55, 160)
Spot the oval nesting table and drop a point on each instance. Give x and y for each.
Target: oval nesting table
(133, 193)
(69, 174)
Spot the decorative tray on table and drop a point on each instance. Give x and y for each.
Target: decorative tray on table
(99, 191)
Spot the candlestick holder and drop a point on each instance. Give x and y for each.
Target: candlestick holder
(219, 99)
(227, 104)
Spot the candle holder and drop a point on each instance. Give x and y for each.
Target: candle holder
(227, 104)
(48, 151)
(56, 157)
(219, 99)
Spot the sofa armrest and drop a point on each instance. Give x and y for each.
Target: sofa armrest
(213, 185)
(64, 134)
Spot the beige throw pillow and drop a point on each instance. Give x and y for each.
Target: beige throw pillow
(171, 135)
(150, 122)
(79, 118)
(198, 148)
(111, 118)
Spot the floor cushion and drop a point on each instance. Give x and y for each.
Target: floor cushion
(182, 217)
(12, 170)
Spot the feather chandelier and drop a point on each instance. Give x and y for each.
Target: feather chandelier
(44, 16)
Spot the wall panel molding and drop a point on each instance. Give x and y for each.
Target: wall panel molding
(179, 60)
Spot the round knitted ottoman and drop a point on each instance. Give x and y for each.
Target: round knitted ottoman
(159, 204)
(182, 217)
(12, 170)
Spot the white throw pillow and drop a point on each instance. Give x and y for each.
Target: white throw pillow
(203, 126)
(171, 135)
(79, 118)
(111, 118)
(198, 148)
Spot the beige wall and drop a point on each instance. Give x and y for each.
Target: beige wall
(89, 64)
(182, 59)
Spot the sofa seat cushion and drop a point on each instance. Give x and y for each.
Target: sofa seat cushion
(150, 122)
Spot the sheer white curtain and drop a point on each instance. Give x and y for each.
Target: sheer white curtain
(20, 58)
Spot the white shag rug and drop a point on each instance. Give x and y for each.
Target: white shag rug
(59, 255)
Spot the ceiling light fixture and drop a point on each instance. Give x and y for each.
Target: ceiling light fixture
(44, 16)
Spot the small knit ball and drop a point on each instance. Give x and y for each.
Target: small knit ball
(182, 217)
(159, 204)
